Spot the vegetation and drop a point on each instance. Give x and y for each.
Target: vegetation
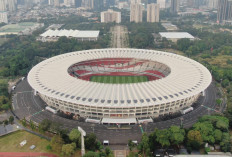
(11, 142)
(209, 129)
(119, 79)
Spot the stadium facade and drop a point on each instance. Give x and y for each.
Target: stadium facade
(65, 82)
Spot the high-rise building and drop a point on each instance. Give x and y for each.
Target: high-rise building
(151, 1)
(67, 3)
(110, 16)
(88, 4)
(136, 12)
(213, 4)
(224, 11)
(51, 2)
(109, 3)
(78, 3)
(98, 5)
(3, 5)
(56, 3)
(174, 6)
(135, 1)
(153, 12)
(162, 4)
(229, 12)
(3, 17)
(12, 5)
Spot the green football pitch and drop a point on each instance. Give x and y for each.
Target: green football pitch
(119, 79)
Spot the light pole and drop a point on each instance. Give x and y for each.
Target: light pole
(83, 133)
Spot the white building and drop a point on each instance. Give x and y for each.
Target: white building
(136, 12)
(88, 4)
(153, 12)
(181, 82)
(56, 3)
(68, 3)
(212, 4)
(3, 17)
(110, 16)
(12, 5)
(162, 3)
(3, 5)
(54, 35)
(135, 1)
(174, 36)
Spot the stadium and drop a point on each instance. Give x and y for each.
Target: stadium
(119, 86)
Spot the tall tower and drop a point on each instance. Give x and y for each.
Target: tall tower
(153, 12)
(88, 4)
(174, 6)
(56, 3)
(162, 3)
(2, 5)
(136, 12)
(78, 3)
(222, 11)
(51, 2)
(11, 5)
(212, 4)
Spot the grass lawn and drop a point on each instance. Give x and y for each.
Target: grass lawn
(10, 142)
(119, 79)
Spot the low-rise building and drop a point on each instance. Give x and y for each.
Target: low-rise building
(3, 17)
(174, 36)
(54, 35)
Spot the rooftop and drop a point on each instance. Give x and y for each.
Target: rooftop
(176, 35)
(70, 33)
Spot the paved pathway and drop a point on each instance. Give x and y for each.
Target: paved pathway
(28, 104)
(119, 37)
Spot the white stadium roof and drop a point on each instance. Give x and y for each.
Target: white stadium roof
(187, 78)
(176, 35)
(70, 33)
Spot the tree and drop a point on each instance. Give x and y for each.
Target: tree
(56, 143)
(222, 125)
(45, 125)
(225, 143)
(32, 125)
(217, 135)
(108, 152)
(91, 154)
(131, 145)
(55, 127)
(162, 137)
(144, 145)
(91, 142)
(176, 135)
(218, 101)
(24, 122)
(206, 131)
(183, 44)
(68, 149)
(11, 119)
(194, 139)
(74, 135)
(6, 122)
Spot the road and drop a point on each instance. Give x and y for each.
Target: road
(119, 37)
(26, 104)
